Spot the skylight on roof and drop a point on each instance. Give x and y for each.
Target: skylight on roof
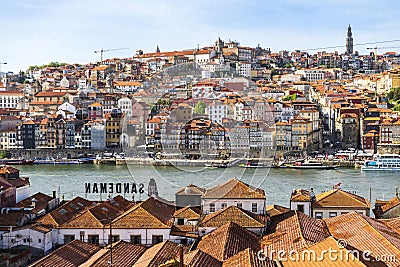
(62, 211)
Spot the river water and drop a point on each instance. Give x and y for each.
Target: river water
(71, 180)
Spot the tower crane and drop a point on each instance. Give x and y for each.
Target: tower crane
(376, 48)
(101, 51)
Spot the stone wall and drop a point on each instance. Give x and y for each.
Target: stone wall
(388, 149)
(55, 153)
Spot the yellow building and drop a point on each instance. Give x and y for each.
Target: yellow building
(301, 133)
(113, 130)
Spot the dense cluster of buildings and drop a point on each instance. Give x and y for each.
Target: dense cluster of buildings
(229, 97)
(225, 225)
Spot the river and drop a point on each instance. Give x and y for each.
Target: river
(70, 180)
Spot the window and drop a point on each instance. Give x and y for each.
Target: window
(157, 239)
(318, 215)
(300, 208)
(68, 238)
(115, 238)
(82, 236)
(223, 205)
(136, 239)
(39, 240)
(332, 214)
(93, 239)
(212, 207)
(239, 205)
(254, 207)
(180, 221)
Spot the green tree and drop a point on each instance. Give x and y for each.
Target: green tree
(394, 94)
(200, 108)
(290, 97)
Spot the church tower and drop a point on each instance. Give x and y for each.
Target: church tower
(349, 41)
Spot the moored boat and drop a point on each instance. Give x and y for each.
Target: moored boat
(311, 165)
(56, 161)
(385, 162)
(16, 161)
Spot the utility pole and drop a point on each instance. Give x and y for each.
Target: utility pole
(181, 256)
(111, 243)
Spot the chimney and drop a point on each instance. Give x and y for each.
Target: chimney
(54, 194)
(397, 191)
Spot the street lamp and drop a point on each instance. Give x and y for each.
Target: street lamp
(110, 238)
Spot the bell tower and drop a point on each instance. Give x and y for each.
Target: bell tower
(349, 41)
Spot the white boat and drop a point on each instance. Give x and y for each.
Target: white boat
(385, 162)
(311, 164)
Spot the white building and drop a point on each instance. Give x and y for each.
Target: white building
(8, 139)
(67, 110)
(127, 87)
(328, 204)
(125, 104)
(11, 99)
(35, 236)
(312, 75)
(244, 68)
(244, 218)
(234, 193)
(217, 111)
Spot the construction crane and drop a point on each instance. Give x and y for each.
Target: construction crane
(376, 48)
(101, 51)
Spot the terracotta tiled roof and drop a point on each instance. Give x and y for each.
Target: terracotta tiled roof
(158, 254)
(33, 103)
(186, 230)
(127, 83)
(151, 213)
(123, 254)
(234, 189)
(390, 204)
(50, 94)
(12, 218)
(66, 212)
(300, 195)
(392, 223)
(293, 230)
(72, 254)
(19, 182)
(100, 68)
(198, 258)
(42, 201)
(188, 212)
(94, 217)
(366, 234)
(227, 241)
(340, 198)
(329, 244)
(276, 209)
(190, 190)
(95, 104)
(247, 258)
(234, 214)
(8, 170)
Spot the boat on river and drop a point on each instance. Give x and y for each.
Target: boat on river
(56, 161)
(385, 162)
(255, 164)
(309, 165)
(216, 165)
(16, 162)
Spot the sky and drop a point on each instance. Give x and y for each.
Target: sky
(41, 31)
